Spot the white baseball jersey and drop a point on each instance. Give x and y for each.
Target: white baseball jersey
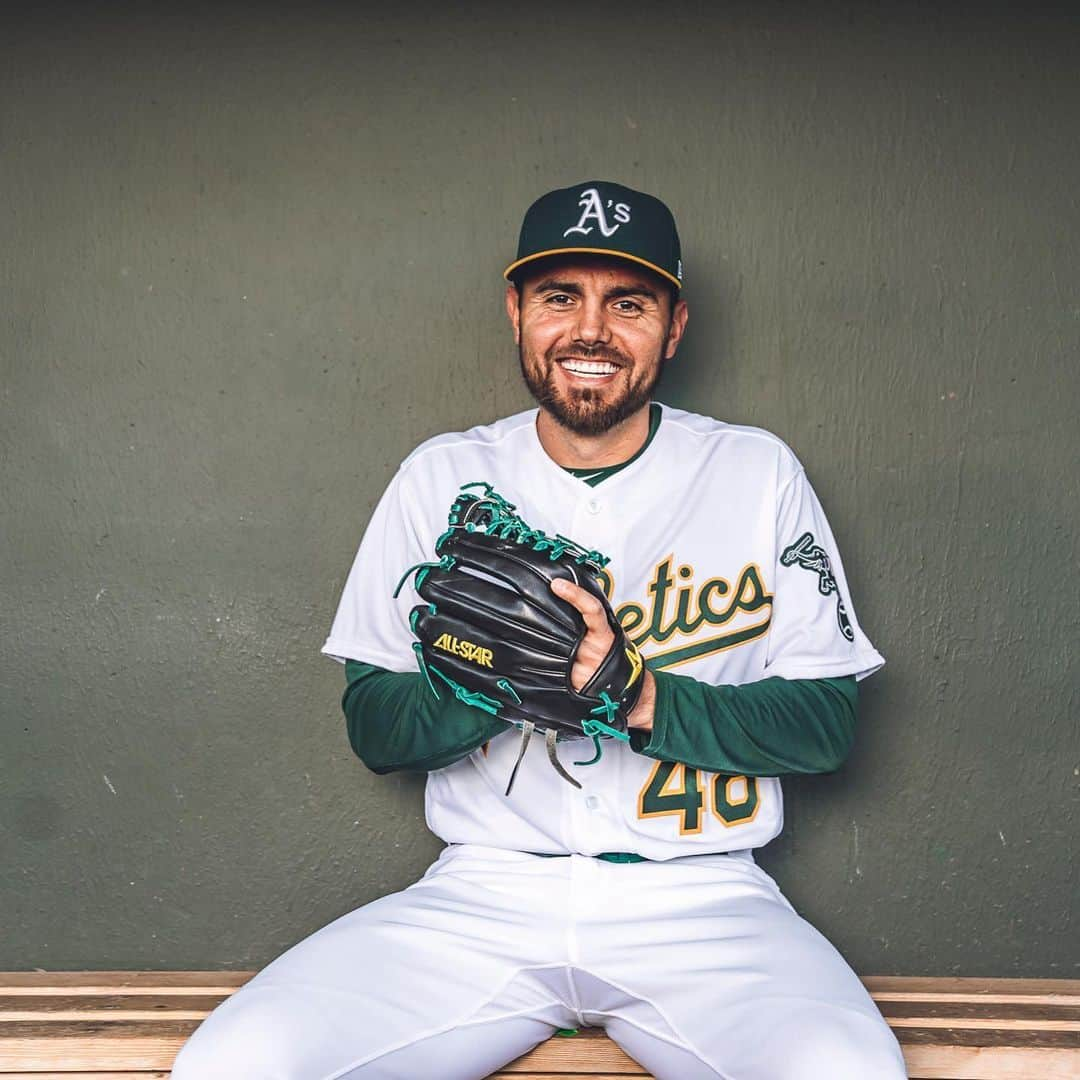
(722, 567)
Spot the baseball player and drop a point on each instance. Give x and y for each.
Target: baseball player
(632, 901)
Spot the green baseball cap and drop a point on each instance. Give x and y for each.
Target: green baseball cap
(598, 217)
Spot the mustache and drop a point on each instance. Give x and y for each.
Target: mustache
(592, 352)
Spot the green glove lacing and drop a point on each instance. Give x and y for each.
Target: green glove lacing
(447, 562)
(596, 728)
(507, 525)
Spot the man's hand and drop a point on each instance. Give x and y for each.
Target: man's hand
(595, 646)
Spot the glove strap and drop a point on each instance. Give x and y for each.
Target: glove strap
(526, 733)
(553, 757)
(551, 739)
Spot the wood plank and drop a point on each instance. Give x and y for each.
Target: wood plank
(990, 1063)
(589, 1052)
(882, 987)
(1010, 1012)
(191, 1007)
(130, 982)
(79, 1016)
(150, 1005)
(976, 1037)
(106, 1007)
(929, 987)
(52, 1023)
(160, 1026)
(988, 1000)
(972, 1023)
(924, 1063)
(33, 1047)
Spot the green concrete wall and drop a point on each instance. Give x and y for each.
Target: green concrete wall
(250, 258)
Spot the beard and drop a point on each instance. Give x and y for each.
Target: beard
(585, 411)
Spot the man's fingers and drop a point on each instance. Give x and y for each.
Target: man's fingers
(598, 634)
(591, 609)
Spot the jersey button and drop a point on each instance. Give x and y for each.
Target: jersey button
(592, 802)
(593, 506)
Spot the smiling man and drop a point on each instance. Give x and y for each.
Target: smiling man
(632, 902)
(593, 337)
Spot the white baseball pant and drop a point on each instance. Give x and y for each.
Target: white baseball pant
(698, 967)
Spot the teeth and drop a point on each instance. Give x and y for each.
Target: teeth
(590, 367)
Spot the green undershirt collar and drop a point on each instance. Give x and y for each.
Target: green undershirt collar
(592, 477)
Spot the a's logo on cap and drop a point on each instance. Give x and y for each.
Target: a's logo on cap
(592, 209)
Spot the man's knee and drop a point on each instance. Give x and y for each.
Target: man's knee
(840, 1044)
(249, 1035)
(264, 1033)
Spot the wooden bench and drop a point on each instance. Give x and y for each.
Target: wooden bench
(128, 1025)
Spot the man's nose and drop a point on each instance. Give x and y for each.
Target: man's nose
(591, 327)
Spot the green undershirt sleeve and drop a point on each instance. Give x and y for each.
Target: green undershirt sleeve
(396, 723)
(774, 727)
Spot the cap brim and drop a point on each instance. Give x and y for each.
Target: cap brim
(593, 251)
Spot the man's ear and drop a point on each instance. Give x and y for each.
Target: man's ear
(513, 311)
(679, 316)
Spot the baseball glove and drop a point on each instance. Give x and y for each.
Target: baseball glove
(493, 633)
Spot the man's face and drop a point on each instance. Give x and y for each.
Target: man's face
(593, 336)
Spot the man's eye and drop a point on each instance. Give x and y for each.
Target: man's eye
(627, 306)
(559, 298)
